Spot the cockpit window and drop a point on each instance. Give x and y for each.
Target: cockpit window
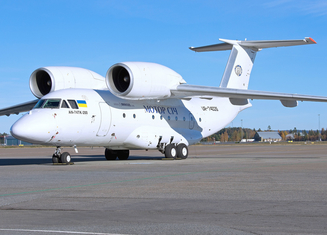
(48, 104)
(39, 104)
(52, 104)
(73, 104)
(55, 104)
(64, 104)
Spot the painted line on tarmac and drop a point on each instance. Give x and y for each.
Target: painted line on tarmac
(57, 231)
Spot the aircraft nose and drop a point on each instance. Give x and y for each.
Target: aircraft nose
(31, 129)
(21, 130)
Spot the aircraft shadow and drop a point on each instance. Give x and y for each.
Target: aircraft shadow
(75, 159)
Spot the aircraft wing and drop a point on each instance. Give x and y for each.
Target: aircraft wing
(240, 96)
(16, 109)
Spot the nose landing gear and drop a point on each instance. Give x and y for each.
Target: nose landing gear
(59, 157)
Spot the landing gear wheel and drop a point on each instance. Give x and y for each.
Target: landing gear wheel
(55, 159)
(65, 157)
(110, 154)
(182, 151)
(123, 154)
(170, 151)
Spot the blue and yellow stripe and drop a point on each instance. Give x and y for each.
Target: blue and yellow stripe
(82, 103)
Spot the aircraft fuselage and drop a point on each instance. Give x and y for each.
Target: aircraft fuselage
(102, 119)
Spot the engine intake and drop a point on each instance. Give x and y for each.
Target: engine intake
(121, 78)
(141, 80)
(43, 82)
(47, 79)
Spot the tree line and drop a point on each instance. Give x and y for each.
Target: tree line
(232, 134)
(236, 134)
(304, 135)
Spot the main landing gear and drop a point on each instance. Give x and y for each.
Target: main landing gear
(59, 157)
(179, 151)
(171, 151)
(113, 154)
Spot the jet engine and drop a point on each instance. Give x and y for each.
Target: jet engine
(47, 79)
(141, 80)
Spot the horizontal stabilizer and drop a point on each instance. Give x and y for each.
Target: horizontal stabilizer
(255, 45)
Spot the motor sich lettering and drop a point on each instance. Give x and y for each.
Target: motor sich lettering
(172, 110)
(161, 110)
(77, 112)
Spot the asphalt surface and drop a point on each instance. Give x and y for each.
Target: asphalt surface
(236, 189)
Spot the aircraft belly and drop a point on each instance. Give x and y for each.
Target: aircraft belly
(149, 137)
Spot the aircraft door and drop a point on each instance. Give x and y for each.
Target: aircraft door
(192, 121)
(105, 120)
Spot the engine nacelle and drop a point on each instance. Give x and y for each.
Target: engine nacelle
(47, 79)
(141, 80)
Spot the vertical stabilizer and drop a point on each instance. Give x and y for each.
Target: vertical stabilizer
(238, 68)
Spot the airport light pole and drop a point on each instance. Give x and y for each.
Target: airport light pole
(241, 129)
(319, 127)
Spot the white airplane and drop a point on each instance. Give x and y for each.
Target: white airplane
(140, 105)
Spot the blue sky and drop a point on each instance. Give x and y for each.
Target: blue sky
(96, 34)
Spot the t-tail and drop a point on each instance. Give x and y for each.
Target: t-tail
(239, 66)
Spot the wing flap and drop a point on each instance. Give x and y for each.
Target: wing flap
(19, 108)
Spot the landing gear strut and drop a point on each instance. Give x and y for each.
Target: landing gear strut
(59, 157)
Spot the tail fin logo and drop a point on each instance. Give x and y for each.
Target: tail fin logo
(238, 70)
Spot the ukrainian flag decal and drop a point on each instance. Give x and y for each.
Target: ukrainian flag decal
(82, 103)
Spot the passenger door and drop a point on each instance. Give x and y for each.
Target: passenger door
(105, 120)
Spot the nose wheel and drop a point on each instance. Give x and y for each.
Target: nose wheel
(59, 157)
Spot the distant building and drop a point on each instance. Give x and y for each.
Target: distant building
(247, 140)
(272, 136)
(11, 141)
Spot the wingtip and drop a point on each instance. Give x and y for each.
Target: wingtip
(311, 40)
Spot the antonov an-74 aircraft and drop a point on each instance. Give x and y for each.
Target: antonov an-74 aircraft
(140, 105)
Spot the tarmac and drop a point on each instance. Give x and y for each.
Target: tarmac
(218, 189)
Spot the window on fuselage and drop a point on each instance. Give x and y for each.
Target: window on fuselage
(64, 104)
(73, 104)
